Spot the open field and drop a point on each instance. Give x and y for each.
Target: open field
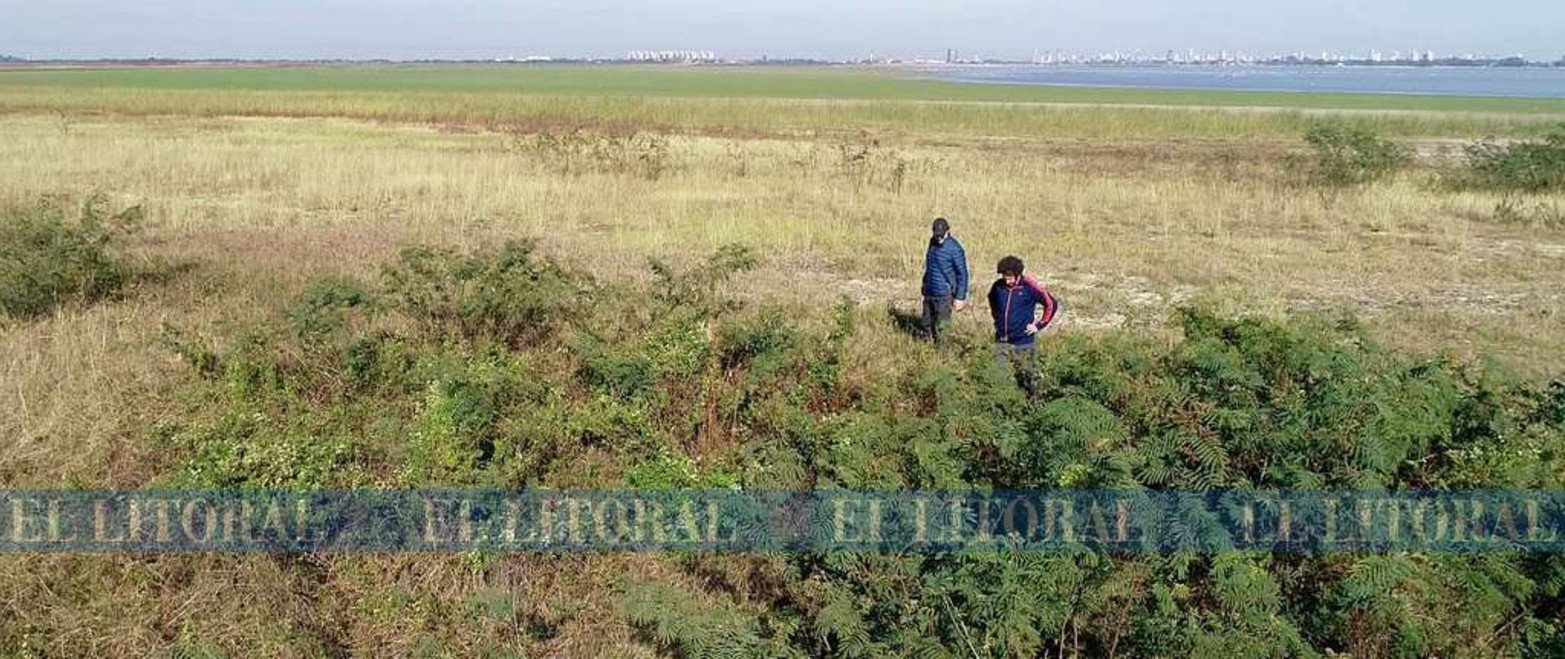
(743, 101)
(847, 83)
(257, 181)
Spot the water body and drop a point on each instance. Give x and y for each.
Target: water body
(1532, 82)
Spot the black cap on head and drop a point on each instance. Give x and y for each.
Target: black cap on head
(941, 227)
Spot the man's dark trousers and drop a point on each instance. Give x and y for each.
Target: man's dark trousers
(937, 312)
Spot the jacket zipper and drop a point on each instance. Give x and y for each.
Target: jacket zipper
(1007, 324)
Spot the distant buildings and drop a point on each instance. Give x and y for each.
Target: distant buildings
(952, 56)
(1373, 57)
(671, 56)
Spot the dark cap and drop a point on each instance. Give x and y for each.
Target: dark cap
(941, 227)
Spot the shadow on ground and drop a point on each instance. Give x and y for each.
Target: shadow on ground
(907, 322)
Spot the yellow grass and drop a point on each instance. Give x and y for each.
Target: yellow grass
(1124, 226)
(1123, 230)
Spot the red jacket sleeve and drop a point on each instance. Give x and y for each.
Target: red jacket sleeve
(1049, 304)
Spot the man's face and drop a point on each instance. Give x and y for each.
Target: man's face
(939, 238)
(1013, 280)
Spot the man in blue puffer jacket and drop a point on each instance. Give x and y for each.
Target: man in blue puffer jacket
(945, 278)
(1013, 301)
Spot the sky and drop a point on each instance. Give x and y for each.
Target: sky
(835, 29)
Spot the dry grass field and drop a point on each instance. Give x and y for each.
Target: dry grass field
(1127, 212)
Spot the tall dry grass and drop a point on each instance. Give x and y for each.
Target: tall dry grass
(1123, 229)
(1123, 226)
(1176, 213)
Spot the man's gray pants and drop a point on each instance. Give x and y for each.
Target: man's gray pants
(1019, 358)
(1014, 354)
(937, 312)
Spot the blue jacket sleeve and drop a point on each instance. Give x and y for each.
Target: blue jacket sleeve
(960, 265)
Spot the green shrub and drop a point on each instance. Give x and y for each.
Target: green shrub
(1528, 166)
(451, 436)
(256, 448)
(48, 258)
(377, 362)
(623, 377)
(670, 470)
(507, 294)
(1065, 438)
(677, 621)
(192, 350)
(324, 307)
(1345, 155)
(698, 290)
(762, 340)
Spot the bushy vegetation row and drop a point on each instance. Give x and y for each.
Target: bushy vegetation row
(1528, 166)
(1343, 154)
(500, 368)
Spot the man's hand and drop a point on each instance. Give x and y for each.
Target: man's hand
(959, 305)
(1032, 328)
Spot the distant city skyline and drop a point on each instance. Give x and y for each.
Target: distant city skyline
(744, 29)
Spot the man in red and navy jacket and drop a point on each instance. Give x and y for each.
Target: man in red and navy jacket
(1013, 300)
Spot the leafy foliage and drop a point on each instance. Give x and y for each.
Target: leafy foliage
(1523, 166)
(471, 370)
(1346, 155)
(505, 294)
(48, 257)
(325, 306)
(677, 621)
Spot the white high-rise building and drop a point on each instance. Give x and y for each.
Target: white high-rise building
(672, 56)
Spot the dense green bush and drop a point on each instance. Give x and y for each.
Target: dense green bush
(1344, 155)
(678, 385)
(1525, 166)
(49, 256)
(678, 623)
(507, 294)
(325, 307)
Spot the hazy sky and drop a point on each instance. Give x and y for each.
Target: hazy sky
(747, 28)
